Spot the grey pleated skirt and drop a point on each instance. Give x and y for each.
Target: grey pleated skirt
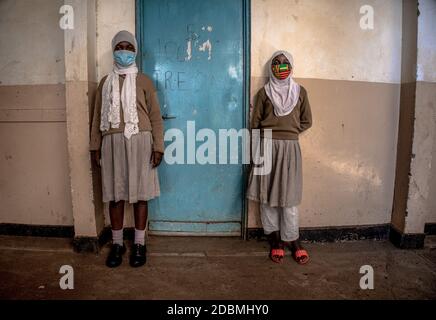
(283, 186)
(127, 173)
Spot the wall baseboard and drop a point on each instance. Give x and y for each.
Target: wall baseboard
(13, 229)
(406, 240)
(321, 234)
(376, 232)
(430, 229)
(332, 234)
(80, 244)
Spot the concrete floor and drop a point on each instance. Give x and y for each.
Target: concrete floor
(216, 268)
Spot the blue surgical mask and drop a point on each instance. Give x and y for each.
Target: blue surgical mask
(124, 58)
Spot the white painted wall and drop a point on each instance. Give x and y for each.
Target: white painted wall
(326, 40)
(422, 189)
(427, 41)
(31, 42)
(112, 16)
(421, 202)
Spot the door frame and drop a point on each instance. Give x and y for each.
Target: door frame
(246, 48)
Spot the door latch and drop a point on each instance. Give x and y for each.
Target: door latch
(168, 117)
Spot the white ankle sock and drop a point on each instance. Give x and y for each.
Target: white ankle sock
(117, 237)
(139, 236)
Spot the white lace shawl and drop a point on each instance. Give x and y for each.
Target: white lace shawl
(110, 107)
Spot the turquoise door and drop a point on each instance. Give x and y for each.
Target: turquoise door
(194, 51)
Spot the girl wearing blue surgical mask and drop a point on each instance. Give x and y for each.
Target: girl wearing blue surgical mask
(127, 144)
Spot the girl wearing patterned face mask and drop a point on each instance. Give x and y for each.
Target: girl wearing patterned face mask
(282, 106)
(127, 142)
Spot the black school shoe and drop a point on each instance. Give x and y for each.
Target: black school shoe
(115, 256)
(138, 255)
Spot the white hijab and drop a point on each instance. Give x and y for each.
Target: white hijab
(284, 93)
(110, 108)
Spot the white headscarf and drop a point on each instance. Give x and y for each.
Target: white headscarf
(284, 93)
(110, 108)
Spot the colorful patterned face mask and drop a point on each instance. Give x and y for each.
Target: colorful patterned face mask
(281, 71)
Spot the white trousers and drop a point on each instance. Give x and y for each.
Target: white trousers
(283, 219)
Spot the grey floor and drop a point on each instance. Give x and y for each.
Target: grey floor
(217, 268)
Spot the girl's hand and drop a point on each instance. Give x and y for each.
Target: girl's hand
(96, 156)
(156, 158)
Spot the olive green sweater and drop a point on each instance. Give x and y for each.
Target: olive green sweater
(149, 115)
(283, 128)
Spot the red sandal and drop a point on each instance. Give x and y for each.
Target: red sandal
(277, 255)
(301, 256)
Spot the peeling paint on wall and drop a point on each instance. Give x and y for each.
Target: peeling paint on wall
(207, 45)
(232, 72)
(189, 50)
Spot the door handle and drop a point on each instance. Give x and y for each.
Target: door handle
(168, 117)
